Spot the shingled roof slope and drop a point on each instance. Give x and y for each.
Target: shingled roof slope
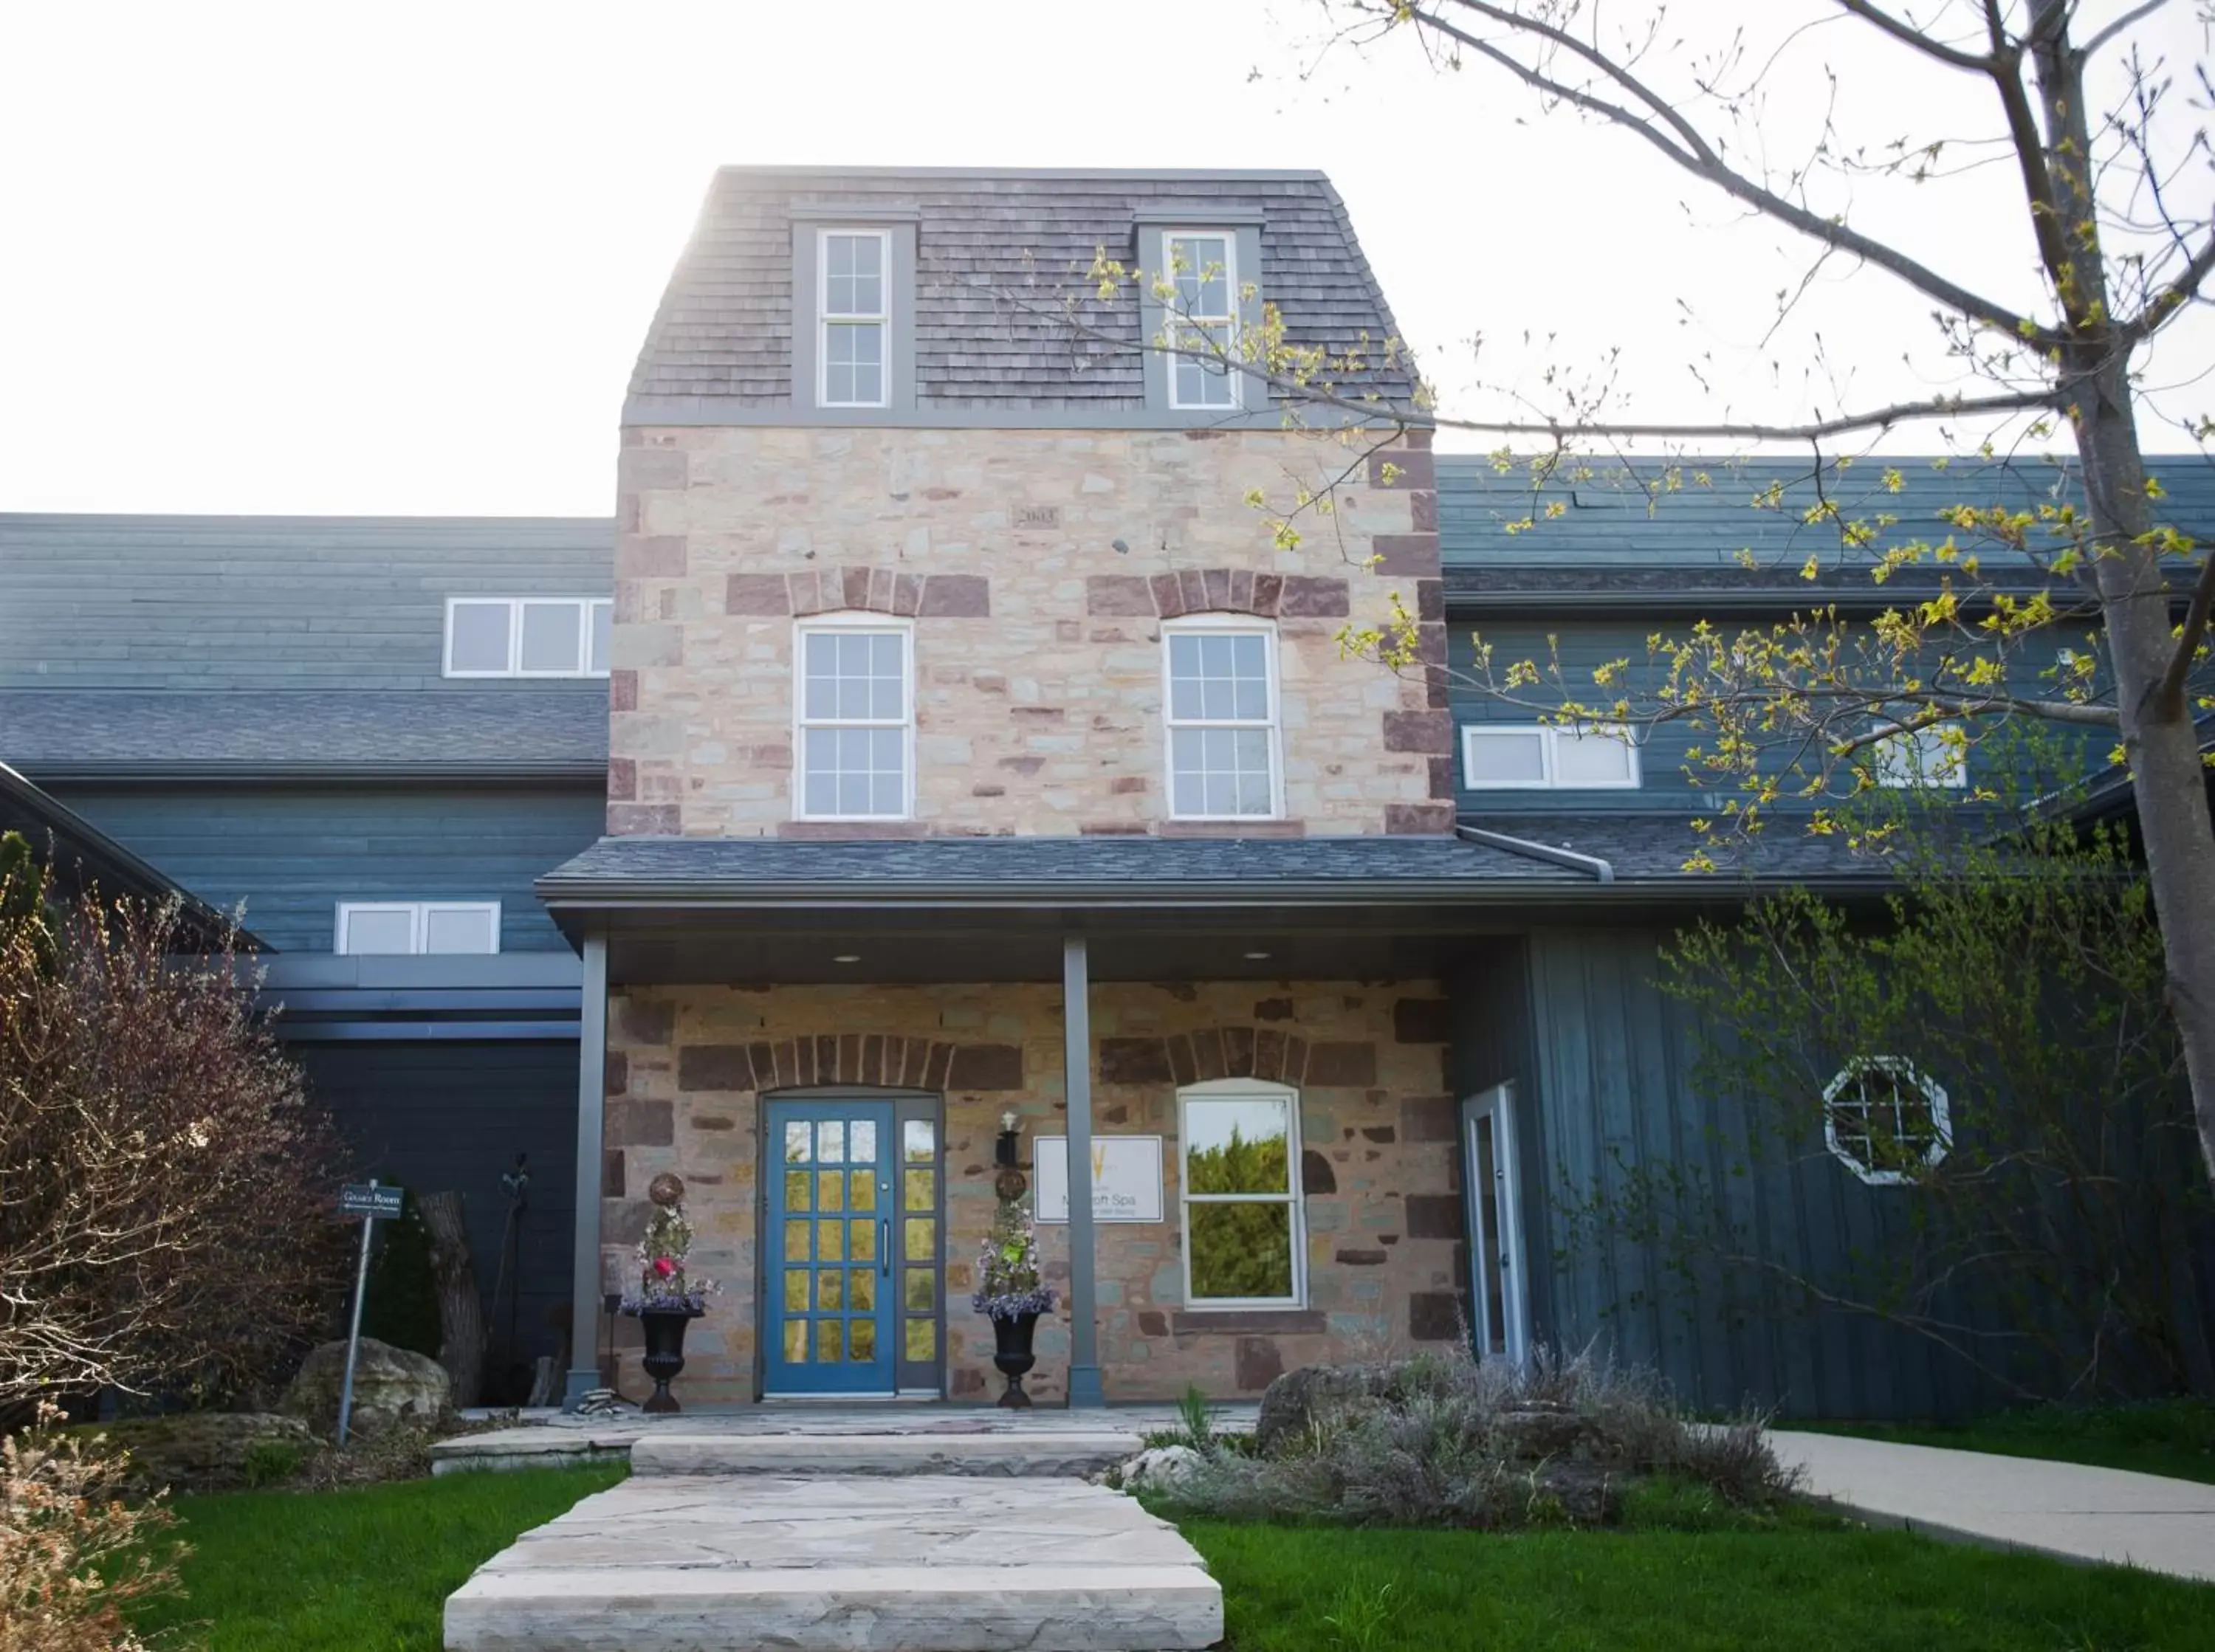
(724, 328)
(1698, 513)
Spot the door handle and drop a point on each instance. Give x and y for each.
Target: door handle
(885, 1247)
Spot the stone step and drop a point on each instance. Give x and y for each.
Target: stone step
(911, 1563)
(1063, 1452)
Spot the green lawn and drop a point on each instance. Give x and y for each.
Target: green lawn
(1310, 1589)
(360, 1570)
(2175, 1437)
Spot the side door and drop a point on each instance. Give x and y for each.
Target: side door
(827, 1284)
(1489, 1172)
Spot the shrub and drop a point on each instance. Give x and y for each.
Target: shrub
(1446, 1440)
(165, 1188)
(270, 1461)
(73, 1554)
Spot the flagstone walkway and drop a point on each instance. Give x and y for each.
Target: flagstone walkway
(850, 1531)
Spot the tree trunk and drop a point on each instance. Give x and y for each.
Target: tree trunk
(2160, 739)
(461, 1310)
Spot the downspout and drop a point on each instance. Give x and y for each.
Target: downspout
(1602, 871)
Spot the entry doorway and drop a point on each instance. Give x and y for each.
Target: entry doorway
(850, 1276)
(1490, 1173)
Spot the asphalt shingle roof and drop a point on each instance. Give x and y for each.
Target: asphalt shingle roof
(724, 328)
(1137, 868)
(506, 728)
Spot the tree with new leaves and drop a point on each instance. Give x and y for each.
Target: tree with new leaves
(2065, 114)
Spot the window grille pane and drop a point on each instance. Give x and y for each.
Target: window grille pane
(1926, 757)
(380, 932)
(854, 354)
(603, 630)
(550, 636)
(1240, 1251)
(459, 929)
(919, 1140)
(1202, 382)
(1594, 757)
(1237, 1145)
(1504, 756)
(1203, 276)
(480, 636)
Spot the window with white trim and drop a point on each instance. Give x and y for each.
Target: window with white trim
(1245, 1243)
(1202, 268)
(417, 926)
(528, 636)
(1545, 756)
(1886, 1120)
(1221, 707)
(853, 318)
(1934, 756)
(856, 700)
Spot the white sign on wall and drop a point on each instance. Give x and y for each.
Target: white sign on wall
(1126, 1177)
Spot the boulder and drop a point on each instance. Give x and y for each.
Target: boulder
(391, 1386)
(1312, 1394)
(206, 1451)
(1530, 1433)
(1161, 1468)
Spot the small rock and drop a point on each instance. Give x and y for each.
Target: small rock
(1161, 1468)
(1531, 1434)
(391, 1385)
(198, 1451)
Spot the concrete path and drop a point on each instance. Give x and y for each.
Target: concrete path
(944, 1532)
(2064, 1510)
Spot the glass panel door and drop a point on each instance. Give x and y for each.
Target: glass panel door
(1500, 1304)
(827, 1274)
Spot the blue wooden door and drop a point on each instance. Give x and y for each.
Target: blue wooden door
(827, 1278)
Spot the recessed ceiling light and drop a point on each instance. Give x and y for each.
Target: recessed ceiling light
(845, 957)
(1257, 956)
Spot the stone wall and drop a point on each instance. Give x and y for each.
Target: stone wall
(1380, 1166)
(1037, 566)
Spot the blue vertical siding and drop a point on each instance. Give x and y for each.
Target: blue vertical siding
(1605, 1076)
(291, 854)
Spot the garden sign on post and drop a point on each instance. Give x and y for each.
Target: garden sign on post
(368, 1200)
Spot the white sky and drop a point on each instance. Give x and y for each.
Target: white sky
(398, 258)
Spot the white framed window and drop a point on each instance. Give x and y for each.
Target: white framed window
(854, 696)
(1219, 698)
(854, 322)
(417, 926)
(1886, 1120)
(1245, 1240)
(528, 636)
(1547, 757)
(1201, 266)
(1934, 756)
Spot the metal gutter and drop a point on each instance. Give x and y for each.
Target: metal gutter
(172, 774)
(1602, 870)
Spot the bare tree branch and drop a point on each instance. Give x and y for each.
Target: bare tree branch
(2136, 14)
(1907, 35)
(1696, 154)
(2168, 694)
(2172, 298)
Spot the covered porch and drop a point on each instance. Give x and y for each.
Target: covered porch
(828, 1041)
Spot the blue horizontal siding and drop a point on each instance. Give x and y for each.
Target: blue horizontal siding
(291, 853)
(250, 602)
(1581, 647)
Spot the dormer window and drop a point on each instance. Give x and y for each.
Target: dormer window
(1202, 323)
(853, 318)
(528, 636)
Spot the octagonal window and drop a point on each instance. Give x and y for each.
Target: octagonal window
(1886, 1120)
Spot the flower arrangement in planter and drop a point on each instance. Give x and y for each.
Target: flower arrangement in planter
(669, 1296)
(1012, 1293)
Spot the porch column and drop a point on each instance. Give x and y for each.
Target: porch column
(591, 1106)
(1076, 1077)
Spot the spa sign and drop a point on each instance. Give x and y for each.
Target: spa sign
(1126, 1177)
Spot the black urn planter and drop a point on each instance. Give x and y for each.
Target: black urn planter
(665, 1354)
(1012, 1354)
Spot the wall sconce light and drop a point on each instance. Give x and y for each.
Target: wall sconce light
(1004, 1150)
